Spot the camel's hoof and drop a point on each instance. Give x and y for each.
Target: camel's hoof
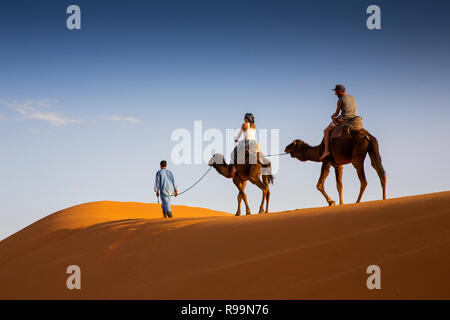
(248, 213)
(237, 214)
(331, 203)
(261, 212)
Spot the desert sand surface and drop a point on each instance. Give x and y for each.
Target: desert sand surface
(127, 251)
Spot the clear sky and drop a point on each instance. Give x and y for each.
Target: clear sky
(87, 115)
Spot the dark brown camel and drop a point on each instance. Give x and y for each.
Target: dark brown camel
(349, 148)
(244, 173)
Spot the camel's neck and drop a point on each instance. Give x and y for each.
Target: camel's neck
(313, 153)
(224, 169)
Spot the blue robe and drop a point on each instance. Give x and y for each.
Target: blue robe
(165, 185)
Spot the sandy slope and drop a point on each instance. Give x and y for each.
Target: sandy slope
(126, 251)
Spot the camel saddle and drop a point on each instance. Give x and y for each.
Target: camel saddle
(344, 128)
(250, 156)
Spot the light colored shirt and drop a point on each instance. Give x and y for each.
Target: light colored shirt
(348, 107)
(249, 134)
(165, 182)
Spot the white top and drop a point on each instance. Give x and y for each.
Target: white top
(250, 134)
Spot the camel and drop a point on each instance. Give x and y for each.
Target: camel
(349, 148)
(244, 173)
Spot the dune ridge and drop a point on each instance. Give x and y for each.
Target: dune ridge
(126, 251)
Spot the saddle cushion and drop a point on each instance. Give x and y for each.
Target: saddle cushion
(246, 152)
(345, 127)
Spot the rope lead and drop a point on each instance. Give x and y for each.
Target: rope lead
(180, 193)
(200, 179)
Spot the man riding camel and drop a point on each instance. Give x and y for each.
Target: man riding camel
(346, 105)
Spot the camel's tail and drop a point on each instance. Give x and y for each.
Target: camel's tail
(374, 151)
(266, 170)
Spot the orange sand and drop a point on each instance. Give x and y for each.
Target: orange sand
(126, 251)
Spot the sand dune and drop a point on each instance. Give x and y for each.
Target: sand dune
(126, 251)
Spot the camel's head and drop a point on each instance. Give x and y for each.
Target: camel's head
(217, 158)
(295, 149)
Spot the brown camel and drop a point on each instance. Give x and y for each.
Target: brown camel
(349, 148)
(244, 173)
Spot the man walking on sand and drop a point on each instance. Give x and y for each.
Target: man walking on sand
(164, 184)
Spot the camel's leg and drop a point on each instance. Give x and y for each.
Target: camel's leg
(360, 148)
(320, 184)
(238, 212)
(359, 166)
(338, 171)
(267, 198)
(264, 188)
(380, 170)
(241, 195)
(244, 196)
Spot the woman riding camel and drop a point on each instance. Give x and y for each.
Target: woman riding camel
(249, 143)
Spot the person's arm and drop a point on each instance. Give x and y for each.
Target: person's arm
(338, 109)
(238, 136)
(243, 128)
(157, 183)
(174, 184)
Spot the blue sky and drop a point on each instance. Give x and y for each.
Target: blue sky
(87, 115)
